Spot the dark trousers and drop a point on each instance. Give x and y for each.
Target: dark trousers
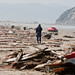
(38, 39)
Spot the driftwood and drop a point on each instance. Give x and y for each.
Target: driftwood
(25, 65)
(14, 57)
(29, 56)
(15, 60)
(40, 66)
(68, 36)
(10, 60)
(19, 56)
(47, 64)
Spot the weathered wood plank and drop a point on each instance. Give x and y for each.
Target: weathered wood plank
(28, 56)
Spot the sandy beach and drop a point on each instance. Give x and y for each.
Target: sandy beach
(15, 39)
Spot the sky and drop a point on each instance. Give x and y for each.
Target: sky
(51, 9)
(62, 2)
(38, 1)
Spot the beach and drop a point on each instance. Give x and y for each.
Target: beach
(15, 39)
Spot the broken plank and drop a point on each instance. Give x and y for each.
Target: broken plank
(40, 66)
(19, 56)
(13, 59)
(33, 54)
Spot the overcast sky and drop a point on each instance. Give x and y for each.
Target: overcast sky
(58, 7)
(63, 2)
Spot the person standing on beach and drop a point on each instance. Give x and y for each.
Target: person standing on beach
(38, 33)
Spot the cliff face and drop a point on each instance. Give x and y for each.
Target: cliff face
(67, 18)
